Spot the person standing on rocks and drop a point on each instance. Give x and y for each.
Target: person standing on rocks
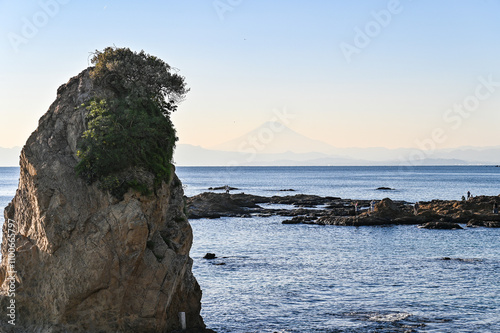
(468, 195)
(227, 189)
(495, 208)
(372, 206)
(416, 207)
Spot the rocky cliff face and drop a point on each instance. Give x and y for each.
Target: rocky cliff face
(84, 261)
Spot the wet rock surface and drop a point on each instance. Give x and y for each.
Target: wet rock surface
(440, 225)
(210, 256)
(220, 188)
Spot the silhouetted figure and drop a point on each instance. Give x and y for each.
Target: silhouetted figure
(227, 189)
(468, 195)
(495, 208)
(416, 207)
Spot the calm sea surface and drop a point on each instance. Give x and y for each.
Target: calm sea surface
(301, 278)
(410, 184)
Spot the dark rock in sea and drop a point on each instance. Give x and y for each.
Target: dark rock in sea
(462, 260)
(215, 205)
(222, 188)
(383, 188)
(293, 212)
(288, 190)
(365, 220)
(487, 224)
(300, 220)
(210, 256)
(300, 200)
(440, 225)
(220, 264)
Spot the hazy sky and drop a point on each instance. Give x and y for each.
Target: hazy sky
(349, 73)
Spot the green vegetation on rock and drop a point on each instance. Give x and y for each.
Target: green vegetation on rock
(129, 132)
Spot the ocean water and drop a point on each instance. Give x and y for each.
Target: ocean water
(301, 278)
(271, 277)
(9, 179)
(409, 183)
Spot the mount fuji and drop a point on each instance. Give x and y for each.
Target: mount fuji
(275, 138)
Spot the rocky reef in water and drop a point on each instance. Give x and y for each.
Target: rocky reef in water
(85, 261)
(312, 209)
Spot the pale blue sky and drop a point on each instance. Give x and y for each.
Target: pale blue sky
(260, 56)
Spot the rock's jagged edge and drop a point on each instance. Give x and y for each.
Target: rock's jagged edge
(86, 262)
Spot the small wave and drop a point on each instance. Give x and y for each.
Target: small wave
(387, 317)
(390, 317)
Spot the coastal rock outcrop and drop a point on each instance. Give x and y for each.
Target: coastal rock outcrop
(312, 209)
(214, 205)
(388, 209)
(85, 261)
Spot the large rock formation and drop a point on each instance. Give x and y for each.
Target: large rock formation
(85, 261)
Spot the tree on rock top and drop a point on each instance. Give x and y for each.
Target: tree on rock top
(138, 75)
(129, 129)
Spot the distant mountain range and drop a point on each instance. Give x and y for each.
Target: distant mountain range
(274, 144)
(275, 138)
(188, 155)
